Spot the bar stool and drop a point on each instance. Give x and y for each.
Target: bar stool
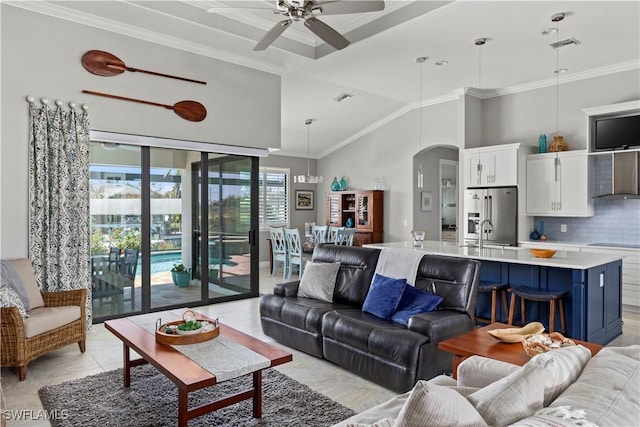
(495, 289)
(552, 297)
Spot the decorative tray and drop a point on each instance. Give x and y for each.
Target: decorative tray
(541, 343)
(513, 335)
(186, 331)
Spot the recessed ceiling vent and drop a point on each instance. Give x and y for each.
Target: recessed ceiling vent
(343, 97)
(563, 43)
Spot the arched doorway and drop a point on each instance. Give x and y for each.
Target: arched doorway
(435, 205)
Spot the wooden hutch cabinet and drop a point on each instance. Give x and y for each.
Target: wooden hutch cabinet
(361, 210)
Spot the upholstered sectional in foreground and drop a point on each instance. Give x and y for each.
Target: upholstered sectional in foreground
(564, 387)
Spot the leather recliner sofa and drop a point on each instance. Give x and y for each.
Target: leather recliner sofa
(380, 350)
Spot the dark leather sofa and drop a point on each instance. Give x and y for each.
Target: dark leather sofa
(380, 350)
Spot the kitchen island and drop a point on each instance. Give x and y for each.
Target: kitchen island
(593, 281)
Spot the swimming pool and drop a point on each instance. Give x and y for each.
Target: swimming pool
(163, 261)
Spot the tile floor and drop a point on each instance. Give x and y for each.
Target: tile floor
(104, 353)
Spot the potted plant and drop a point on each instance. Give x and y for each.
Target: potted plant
(181, 275)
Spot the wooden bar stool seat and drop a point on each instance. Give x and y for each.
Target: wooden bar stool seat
(496, 290)
(554, 298)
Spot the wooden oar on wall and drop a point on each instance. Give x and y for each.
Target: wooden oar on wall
(188, 110)
(104, 63)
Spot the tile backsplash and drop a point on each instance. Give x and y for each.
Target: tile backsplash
(614, 221)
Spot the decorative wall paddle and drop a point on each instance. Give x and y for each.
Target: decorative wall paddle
(188, 110)
(106, 64)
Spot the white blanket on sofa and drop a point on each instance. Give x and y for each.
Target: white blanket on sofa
(399, 264)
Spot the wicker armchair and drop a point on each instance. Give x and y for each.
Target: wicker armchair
(17, 350)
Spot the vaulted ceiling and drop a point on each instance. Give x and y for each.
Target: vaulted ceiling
(379, 66)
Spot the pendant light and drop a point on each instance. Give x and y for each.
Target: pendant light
(420, 178)
(480, 42)
(557, 18)
(308, 179)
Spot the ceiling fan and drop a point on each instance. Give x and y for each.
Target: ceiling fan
(307, 10)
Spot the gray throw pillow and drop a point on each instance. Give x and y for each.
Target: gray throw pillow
(319, 280)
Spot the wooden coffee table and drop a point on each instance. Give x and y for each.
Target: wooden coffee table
(479, 343)
(186, 374)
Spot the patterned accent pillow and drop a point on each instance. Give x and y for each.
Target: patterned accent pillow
(517, 396)
(385, 422)
(10, 298)
(562, 416)
(432, 405)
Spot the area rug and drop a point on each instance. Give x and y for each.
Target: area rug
(102, 401)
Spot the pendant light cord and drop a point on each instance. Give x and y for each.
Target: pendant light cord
(420, 109)
(557, 80)
(308, 150)
(480, 67)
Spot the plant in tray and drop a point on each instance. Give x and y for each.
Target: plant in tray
(193, 325)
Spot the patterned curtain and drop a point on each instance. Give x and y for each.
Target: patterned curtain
(59, 198)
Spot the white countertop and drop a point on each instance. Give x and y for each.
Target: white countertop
(562, 259)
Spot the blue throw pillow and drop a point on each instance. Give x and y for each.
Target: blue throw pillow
(415, 301)
(384, 296)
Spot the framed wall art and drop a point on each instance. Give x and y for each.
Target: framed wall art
(426, 201)
(304, 200)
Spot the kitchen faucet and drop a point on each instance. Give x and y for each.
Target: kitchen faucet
(481, 240)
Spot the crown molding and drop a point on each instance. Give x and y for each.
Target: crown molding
(82, 18)
(563, 79)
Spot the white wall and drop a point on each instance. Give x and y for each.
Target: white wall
(388, 153)
(41, 56)
(522, 117)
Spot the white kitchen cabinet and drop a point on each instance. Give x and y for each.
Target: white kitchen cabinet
(494, 166)
(559, 184)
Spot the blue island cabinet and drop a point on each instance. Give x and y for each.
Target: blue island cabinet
(593, 305)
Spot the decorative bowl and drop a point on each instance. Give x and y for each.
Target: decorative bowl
(541, 343)
(543, 253)
(193, 332)
(512, 335)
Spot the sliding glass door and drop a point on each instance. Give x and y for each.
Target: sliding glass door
(229, 228)
(152, 210)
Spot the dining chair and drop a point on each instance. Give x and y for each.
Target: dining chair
(128, 268)
(332, 233)
(278, 249)
(294, 251)
(319, 234)
(114, 258)
(345, 236)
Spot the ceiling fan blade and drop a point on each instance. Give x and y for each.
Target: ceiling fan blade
(326, 33)
(348, 6)
(236, 8)
(272, 35)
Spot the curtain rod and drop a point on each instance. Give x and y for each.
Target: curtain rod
(45, 101)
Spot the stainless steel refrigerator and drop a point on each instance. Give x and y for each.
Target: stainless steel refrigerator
(499, 205)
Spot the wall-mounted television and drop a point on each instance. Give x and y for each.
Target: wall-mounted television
(615, 132)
